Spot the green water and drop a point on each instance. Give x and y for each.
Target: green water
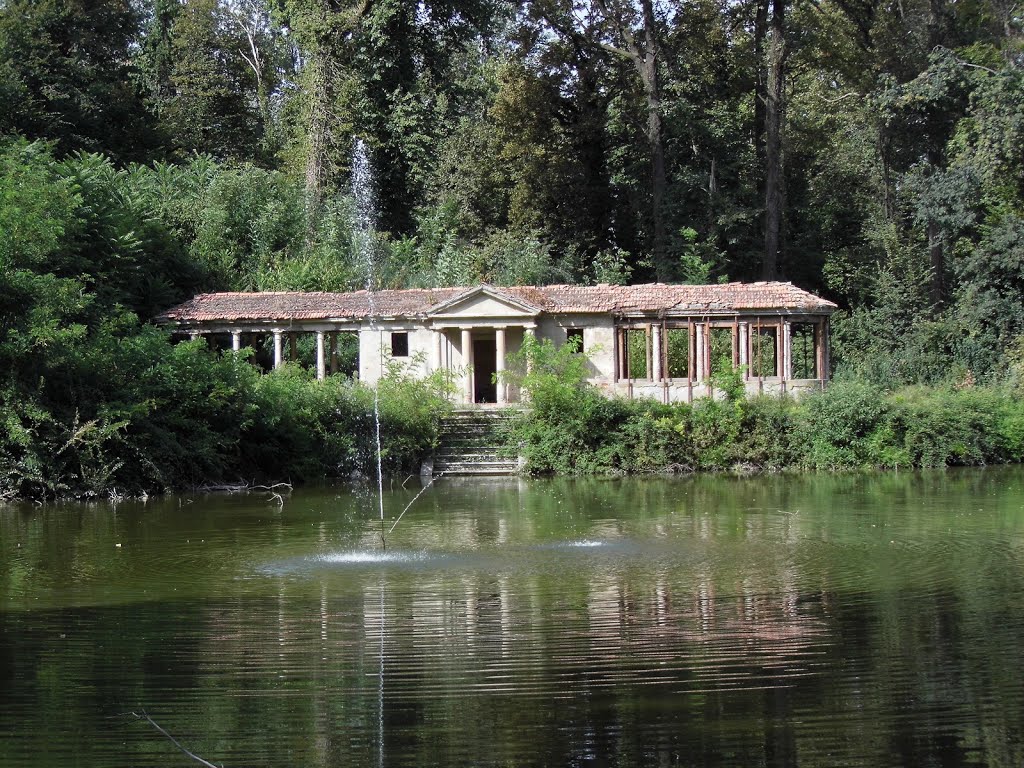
(813, 621)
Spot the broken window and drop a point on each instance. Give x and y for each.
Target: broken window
(764, 351)
(677, 352)
(804, 351)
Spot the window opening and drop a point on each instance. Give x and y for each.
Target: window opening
(400, 344)
(805, 358)
(636, 353)
(721, 350)
(347, 354)
(677, 347)
(574, 338)
(763, 351)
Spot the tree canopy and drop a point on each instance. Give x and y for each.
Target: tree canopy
(872, 152)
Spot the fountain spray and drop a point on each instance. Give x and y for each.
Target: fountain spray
(363, 189)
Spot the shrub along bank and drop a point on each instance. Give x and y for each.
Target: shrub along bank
(150, 417)
(573, 429)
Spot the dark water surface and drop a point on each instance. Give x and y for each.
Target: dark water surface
(813, 621)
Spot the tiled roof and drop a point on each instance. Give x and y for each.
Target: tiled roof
(556, 299)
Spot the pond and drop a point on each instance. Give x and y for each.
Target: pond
(819, 621)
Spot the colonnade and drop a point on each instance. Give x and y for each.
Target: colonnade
(467, 334)
(747, 346)
(326, 345)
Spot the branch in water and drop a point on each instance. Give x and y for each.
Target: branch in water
(174, 741)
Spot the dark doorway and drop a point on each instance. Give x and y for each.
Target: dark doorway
(484, 366)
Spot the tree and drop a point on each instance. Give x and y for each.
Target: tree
(212, 106)
(69, 78)
(774, 129)
(632, 33)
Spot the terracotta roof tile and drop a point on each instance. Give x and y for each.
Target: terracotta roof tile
(568, 299)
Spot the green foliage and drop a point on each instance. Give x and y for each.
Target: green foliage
(846, 427)
(850, 426)
(612, 266)
(511, 146)
(68, 76)
(212, 104)
(563, 428)
(698, 261)
(95, 402)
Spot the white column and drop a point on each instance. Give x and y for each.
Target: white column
(647, 353)
(499, 362)
(743, 334)
(438, 350)
(278, 348)
(657, 354)
(467, 363)
(699, 352)
(787, 351)
(193, 335)
(321, 356)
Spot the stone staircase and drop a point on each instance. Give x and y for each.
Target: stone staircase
(470, 441)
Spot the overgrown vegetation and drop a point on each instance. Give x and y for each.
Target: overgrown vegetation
(153, 149)
(572, 428)
(150, 417)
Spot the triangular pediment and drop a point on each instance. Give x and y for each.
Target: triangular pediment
(483, 302)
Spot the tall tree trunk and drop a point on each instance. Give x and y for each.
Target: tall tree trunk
(760, 92)
(774, 194)
(648, 66)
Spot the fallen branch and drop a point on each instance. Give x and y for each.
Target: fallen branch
(240, 487)
(223, 488)
(174, 741)
(271, 488)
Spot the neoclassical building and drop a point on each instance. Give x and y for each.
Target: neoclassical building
(657, 340)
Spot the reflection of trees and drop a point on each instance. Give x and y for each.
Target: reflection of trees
(853, 620)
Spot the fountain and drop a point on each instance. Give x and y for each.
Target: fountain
(364, 194)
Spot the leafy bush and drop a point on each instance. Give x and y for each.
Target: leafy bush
(852, 425)
(844, 427)
(767, 437)
(565, 428)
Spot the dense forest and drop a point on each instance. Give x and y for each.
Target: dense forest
(869, 150)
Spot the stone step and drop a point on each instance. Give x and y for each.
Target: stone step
(476, 468)
(460, 433)
(455, 429)
(493, 454)
(471, 442)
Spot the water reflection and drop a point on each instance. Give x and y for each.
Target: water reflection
(704, 621)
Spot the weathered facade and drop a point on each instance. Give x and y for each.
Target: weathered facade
(659, 341)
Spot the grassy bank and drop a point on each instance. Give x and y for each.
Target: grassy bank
(573, 429)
